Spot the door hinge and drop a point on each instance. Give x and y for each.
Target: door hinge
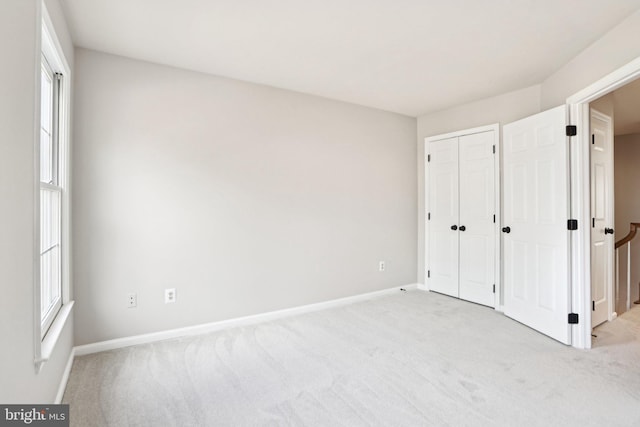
(494, 148)
(593, 306)
(593, 223)
(572, 224)
(593, 138)
(494, 218)
(429, 216)
(428, 158)
(572, 130)
(428, 273)
(494, 288)
(573, 318)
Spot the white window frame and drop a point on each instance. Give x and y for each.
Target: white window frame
(48, 330)
(53, 225)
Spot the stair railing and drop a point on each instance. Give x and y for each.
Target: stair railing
(626, 240)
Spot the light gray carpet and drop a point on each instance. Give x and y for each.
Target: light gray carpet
(409, 359)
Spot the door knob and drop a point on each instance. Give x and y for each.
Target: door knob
(506, 230)
(462, 228)
(608, 231)
(454, 227)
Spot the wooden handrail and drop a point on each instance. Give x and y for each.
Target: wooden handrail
(632, 233)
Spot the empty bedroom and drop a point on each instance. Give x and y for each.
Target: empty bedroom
(312, 213)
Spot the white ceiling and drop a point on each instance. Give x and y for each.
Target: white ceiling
(406, 56)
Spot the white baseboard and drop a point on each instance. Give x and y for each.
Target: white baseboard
(65, 377)
(224, 324)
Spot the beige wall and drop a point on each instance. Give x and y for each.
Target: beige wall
(605, 106)
(20, 73)
(500, 109)
(618, 47)
(627, 205)
(244, 198)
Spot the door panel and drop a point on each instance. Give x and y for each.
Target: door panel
(536, 250)
(602, 245)
(517, 253)
(518, 189)
(443, 206)
(477, 197)
(545, 180)
(546, 263)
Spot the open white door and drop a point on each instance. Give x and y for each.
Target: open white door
(602, 240)
(536, 239)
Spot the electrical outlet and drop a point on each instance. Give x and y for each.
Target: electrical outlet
(381, 266)
(169, 295)
(132, 301)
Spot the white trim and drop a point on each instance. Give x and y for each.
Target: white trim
(480, 129)
(231, 323)
(49, 45)
(580, 198)
(53, 50)
(422, 287)
(47, 345)
(65, 377)
(497, 197)
(425, 214)
(580, 256)
(497, 181)
(612, 81)
(37, 314)
(628, 304)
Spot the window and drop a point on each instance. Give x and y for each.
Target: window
(52, 305)
(52, 287)
(50, 197)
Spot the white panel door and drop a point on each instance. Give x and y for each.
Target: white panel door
(602, 240)
(535, 235)
(443, 207)
(477, 213)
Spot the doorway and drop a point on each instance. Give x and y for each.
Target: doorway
(623, 106)
(581, 265)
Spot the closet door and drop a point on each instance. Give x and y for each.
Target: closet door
(477, 215)
(443, 225)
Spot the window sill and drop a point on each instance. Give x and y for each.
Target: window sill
(50, 340)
